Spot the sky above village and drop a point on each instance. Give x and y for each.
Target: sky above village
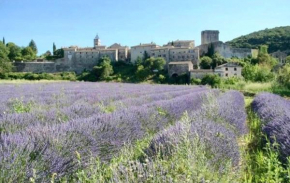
(131, 22)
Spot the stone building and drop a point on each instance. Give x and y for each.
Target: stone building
(79, 59)
(280, 56)
(225, 70)
(181, 44)
(178, 68)
(179, 50)
(139, 50)
(229, 69)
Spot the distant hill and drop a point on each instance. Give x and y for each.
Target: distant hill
(277, 39)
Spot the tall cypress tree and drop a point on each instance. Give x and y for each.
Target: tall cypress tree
(53, 48)
(33, 46)
(3, 40)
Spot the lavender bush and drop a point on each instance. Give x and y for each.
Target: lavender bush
(274, 112)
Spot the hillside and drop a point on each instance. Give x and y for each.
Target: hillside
(277, 39)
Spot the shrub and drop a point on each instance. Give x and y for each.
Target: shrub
(142, 73)
(31, 76)
(205, 62)
(211, 79)
(258, 73)
(231, 80)
(195, 81)
(161, 78)
(283, 77)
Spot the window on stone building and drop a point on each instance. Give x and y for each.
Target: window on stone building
(227, 69)
(173, 56)
(235, 69)
(164, 55)
(227, 74)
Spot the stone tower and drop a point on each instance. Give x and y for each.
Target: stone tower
(97, 41)
(209, 36)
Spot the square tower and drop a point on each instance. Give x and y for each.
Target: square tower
(209, 36)
(97, 41)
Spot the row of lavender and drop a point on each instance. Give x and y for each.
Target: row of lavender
(217, 124)
(210, 132)
(37, 140)
(274, 112)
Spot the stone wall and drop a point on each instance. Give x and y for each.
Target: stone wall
(35, 67)
(200, 73)
(225, 50)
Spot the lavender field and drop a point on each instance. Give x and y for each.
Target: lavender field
(111, 132)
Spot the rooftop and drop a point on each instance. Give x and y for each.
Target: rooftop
(211, 31)
(201, 70)
(146, 44)
(229, 64)
(180, 63)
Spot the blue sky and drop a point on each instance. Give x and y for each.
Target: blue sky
(130, 22)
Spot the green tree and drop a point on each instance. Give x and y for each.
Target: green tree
(217, 59)
(59, 53)
(210, 50)
(104, 68)
(14, 51)
(154, 63)
(145, 56)
(139, 61)
(205, 62)
(211, 79)
(142, 73)
(33, 46)
(249, 72)
(53, 48)
(3, 41)
(288, 59)
(257, 73)
(265, 59)
(5, 64)
(28, 53)
(283, 77)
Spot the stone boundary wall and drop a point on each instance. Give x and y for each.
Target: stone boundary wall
(35, 67)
